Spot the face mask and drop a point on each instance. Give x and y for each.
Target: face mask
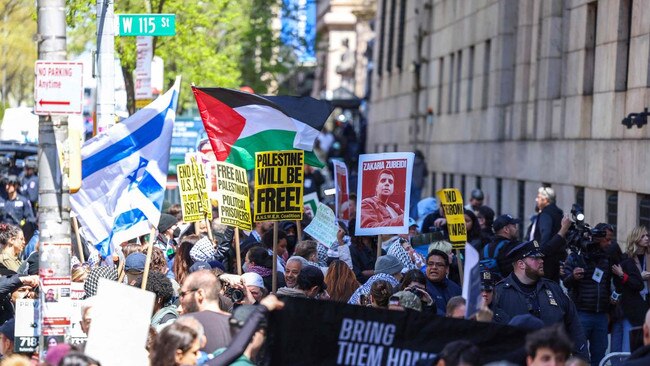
(245, 267)
(177, 232)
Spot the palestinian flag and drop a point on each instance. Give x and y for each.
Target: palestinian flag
(239, 124)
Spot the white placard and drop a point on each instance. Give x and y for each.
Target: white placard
(120, 326)
(323, 227)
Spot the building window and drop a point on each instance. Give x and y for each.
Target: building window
(459, 68)
(478, 182)
(452, 184)
(623, 49)
(391, 37)
(590, 48)
(521, 203)
(612, 207)
(462, 184)
(486, 74)
(441, 69)
(400, 35)
(470, 78)
(644, 210)
(580, 197)
(382, 38)
(499, 194)
(450, 90)
(395, 147)
(444, 180)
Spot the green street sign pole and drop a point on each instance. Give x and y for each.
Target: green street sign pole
(146, 24)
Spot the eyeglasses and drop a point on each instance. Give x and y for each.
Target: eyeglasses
(437, 264)
(182, 294)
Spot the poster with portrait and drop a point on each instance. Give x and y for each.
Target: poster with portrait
(342, 193)
(383, 193)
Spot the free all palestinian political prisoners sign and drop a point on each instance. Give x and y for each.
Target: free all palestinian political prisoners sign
(383, 191)
(452, 205)
(279, 178)
(233, 196)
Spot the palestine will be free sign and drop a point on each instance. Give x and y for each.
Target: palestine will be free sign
(195, 204)
(279, 185)
(233, 195)
(452, 205)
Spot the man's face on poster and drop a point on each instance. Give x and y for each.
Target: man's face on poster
(385, 185)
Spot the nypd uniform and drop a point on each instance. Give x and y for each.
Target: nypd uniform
(544, 300)
(29, 188)
(17, 211)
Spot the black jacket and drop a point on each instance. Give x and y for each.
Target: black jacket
(548, 302)
(548, 223)
(640, 357)
(586, 293)
(630, 286)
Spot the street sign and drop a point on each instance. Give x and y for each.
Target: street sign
(58, 87)
(146, 24)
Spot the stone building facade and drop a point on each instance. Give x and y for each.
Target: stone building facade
(343, 34)
(510, 95)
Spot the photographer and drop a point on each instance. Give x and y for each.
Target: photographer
(587, 275)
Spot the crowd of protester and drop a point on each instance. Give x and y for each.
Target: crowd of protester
(577, 299)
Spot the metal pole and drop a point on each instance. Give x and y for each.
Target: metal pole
(105, 65)
(53, 193)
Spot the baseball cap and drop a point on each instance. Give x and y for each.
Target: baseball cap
(409, 300)
(525, 250)
(412, 222)
(135, 262)
(197, 266)
(503, 221)
(7, 329)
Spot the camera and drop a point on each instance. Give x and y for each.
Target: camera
(236, 295)
(579, 238)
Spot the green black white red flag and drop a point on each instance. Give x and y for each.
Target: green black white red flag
(239, 124)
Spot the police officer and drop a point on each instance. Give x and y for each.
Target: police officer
(29, 181)
(526, 291)
(15, 209)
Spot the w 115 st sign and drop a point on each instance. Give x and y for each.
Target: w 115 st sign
(58, 87)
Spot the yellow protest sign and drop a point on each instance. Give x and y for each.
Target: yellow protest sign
(279, 185)
(233, 196)
(452, 205)
(195, 204)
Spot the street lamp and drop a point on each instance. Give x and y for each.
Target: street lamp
(638, 119)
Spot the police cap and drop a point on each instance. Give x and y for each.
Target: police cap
(12, 179)
(527, 249)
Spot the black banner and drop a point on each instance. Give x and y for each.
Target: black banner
(310, 332)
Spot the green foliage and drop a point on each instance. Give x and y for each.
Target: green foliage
(18, 49)
(225, 43)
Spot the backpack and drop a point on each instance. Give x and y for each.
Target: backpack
(489, 263)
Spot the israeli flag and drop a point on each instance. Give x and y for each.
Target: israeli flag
(124, 173)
